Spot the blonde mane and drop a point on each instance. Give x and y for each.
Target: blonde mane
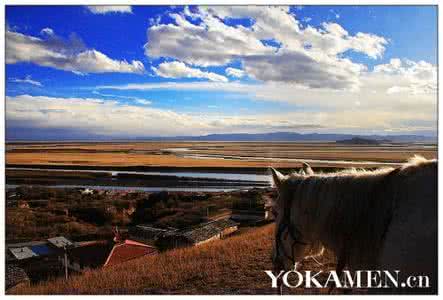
(349, 211)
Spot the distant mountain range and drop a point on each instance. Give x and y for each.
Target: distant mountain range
(363, 141)
(246, 137)
(293, 136)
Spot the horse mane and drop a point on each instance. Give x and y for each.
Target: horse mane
(348, 211)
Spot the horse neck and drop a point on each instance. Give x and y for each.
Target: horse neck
(328, 205)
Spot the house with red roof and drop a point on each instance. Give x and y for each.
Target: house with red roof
(98, 254)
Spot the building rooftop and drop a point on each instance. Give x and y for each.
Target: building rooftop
(60, 242)
(22, 253)
(149, 228)
(128, 250)
(205, 231)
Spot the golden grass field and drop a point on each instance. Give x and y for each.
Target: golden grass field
(232, 266)
(241, 154)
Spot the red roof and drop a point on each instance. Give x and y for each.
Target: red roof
(128, 250)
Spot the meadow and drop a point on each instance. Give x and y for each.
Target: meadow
(230, 155)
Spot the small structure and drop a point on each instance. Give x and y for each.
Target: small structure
(148, 233)
(198, 235)
(37, 249)
(98, 254)
(87, 192)
(22, 253)
(60, 242)
(39, 259)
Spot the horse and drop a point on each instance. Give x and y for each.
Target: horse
(383, 219)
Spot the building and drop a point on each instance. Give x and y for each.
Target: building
(43, 259)
(148, 233)
(87, 191)
(99, 254)
(39, 259)
(37, 249)
(198, 235)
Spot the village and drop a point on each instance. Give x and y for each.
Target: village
(66, 255)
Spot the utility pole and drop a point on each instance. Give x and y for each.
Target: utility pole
(66, 263)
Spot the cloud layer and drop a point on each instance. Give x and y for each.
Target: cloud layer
(373, 108)
(233, 72)
(112, 118)
(273, 58)
(276, 48)
(28, 79)
(106, 9)
(177, 69)
(70, 54)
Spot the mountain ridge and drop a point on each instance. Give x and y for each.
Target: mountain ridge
(245, 137)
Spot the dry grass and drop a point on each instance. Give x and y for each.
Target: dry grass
(232, 266)
(123, 159)
(151, 154)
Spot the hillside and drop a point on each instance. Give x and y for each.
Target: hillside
(231, 266)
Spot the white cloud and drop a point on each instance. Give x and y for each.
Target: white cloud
(27, 79)
(319, 52)
(105, 117)
(234, 72)
(208, 44)
(105, 9)
(47, 31)
(405, 76)
(143, 101)
(111, 118)
(192, 86)
(177, 69)
(135, 99)
(369, 109)
(69, 55)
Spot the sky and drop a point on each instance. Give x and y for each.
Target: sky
(144, 71)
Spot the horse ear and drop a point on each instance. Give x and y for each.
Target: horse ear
(277, 177)
(307, 168)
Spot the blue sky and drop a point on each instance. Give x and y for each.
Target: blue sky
(158, 71)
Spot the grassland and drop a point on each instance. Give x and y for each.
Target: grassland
(232, 266)
(209, 154)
